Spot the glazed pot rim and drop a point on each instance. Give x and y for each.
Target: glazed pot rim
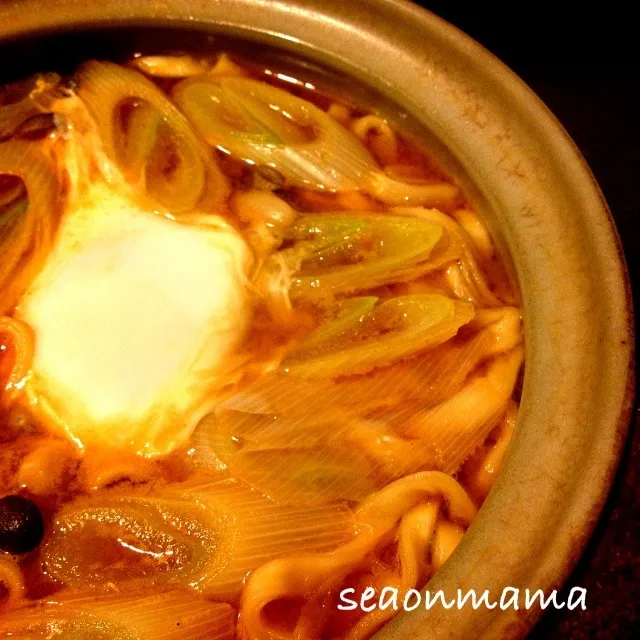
(579, 384)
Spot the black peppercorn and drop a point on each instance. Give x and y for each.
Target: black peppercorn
(21, 525)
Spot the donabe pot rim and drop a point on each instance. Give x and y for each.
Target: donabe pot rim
(545, 204)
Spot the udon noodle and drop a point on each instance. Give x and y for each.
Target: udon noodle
(256, 348)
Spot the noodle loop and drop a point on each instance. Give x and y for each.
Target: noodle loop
(403, 512)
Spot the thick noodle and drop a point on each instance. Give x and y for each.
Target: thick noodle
(381, 518)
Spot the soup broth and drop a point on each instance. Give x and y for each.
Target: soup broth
(257, 348)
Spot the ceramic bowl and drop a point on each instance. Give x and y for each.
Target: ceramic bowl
(544, 205)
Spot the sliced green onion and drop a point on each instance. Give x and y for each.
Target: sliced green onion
(394, 330)
(344, 315)
(83, 615)
(461, 243)
(149, 139)
(292, 460)
(267, 126)
(341, 253)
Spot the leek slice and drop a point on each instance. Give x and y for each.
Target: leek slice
(268, 126)
(293, 460)
(344, 315)
(30, 209)
(392, 331)
(423, 380)
(173, 615)
(344, 253)
(307, 476)
(149, 139)
(205, 537)
(160, 541)
(475, 287)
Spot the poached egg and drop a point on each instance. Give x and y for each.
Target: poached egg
(135, 316)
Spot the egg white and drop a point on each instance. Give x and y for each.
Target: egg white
(134, 317)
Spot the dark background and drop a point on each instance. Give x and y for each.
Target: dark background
(585, 66)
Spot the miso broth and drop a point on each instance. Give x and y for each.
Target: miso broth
(257, 347)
